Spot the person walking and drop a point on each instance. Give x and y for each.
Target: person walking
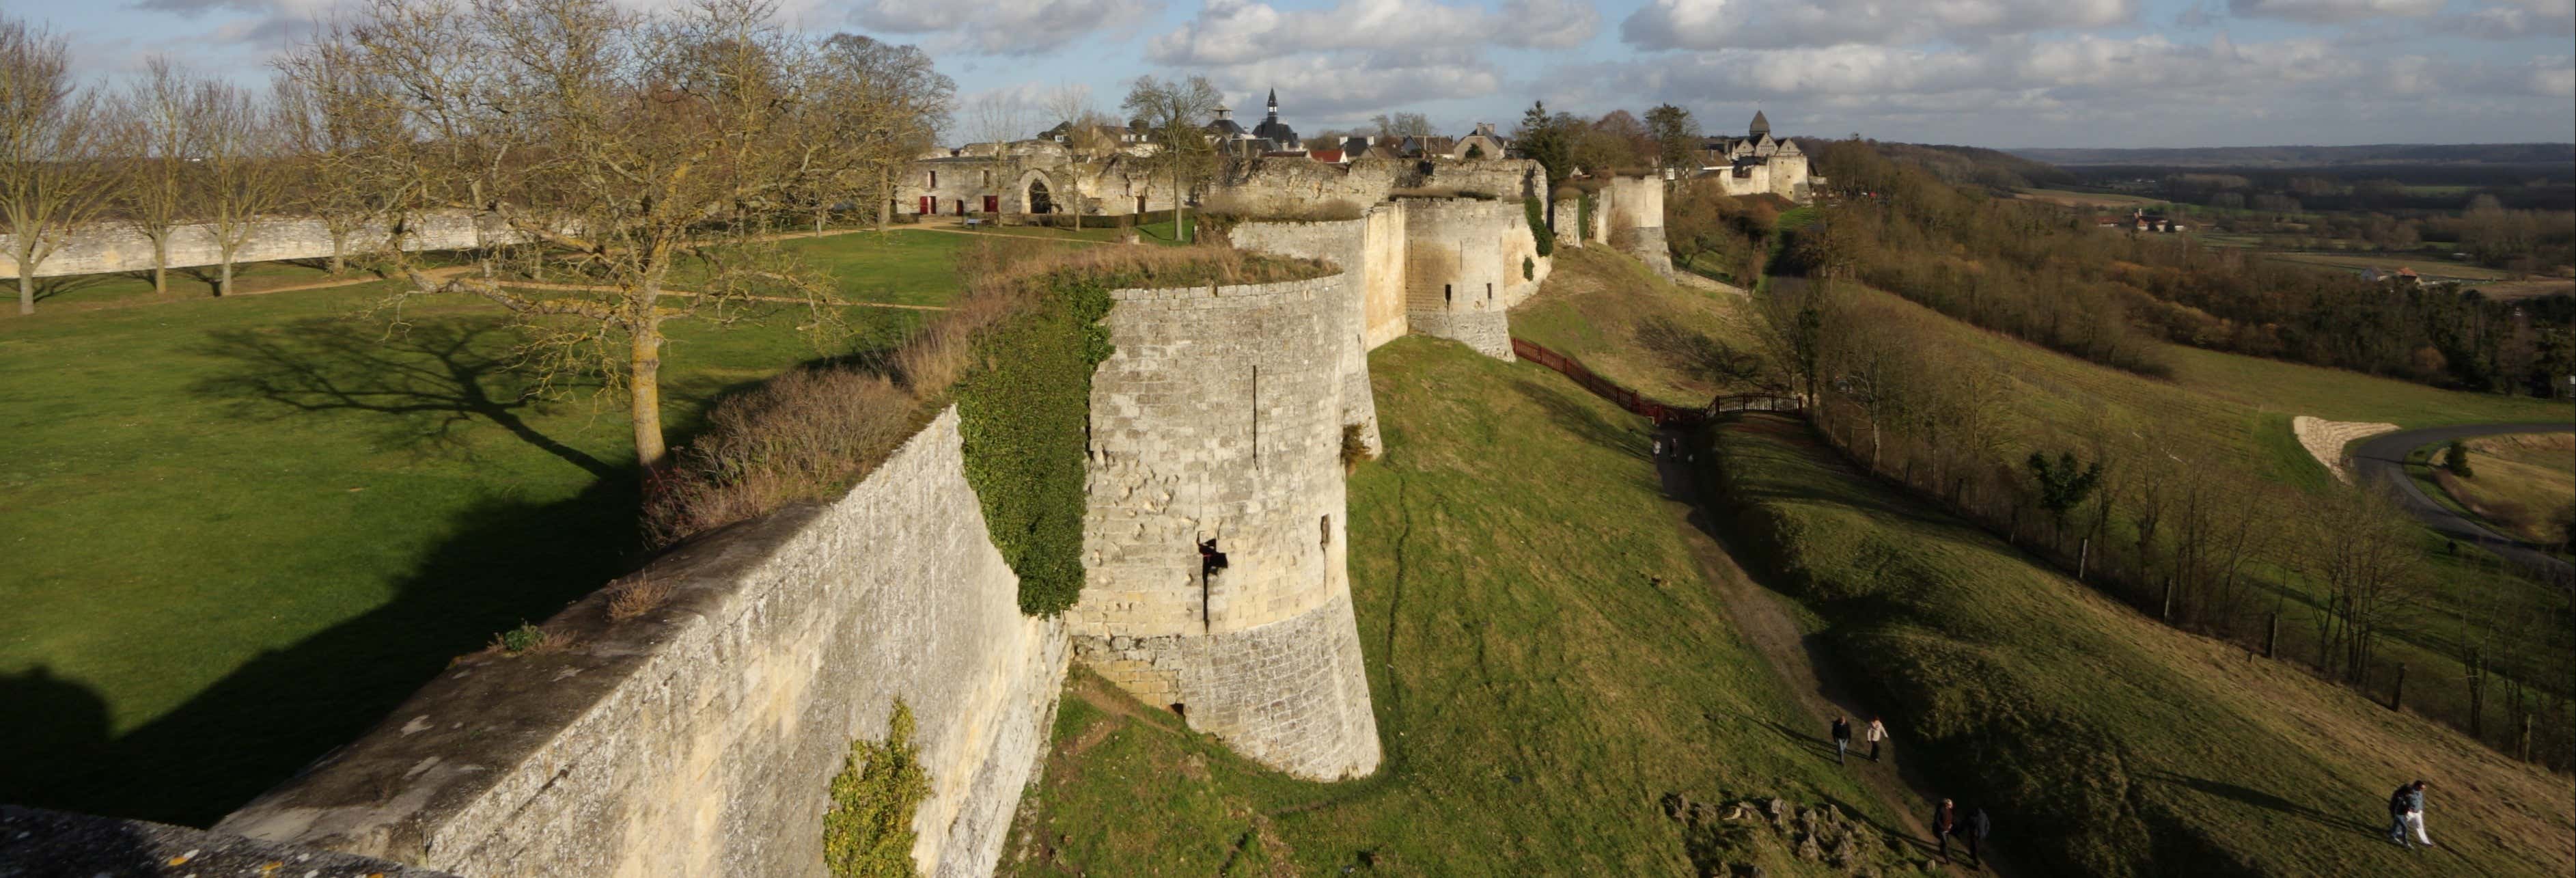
(2414, 815)
(1842, 739)
(1976, 833)
(1945, 822)
(2406, 808)
(1876, 734)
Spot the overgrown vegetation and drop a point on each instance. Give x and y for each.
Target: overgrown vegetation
(867, 830)
(1026, 418)
(1538, 225)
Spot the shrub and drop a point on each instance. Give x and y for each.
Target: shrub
(1583, 216)
(1026, 415)
(2456, 459)
(800, 436)
(1529, 268)
(1354, 447)
(524, 639)
(867, 833)
(1538, 226)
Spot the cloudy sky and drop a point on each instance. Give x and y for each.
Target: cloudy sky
(1987, 72)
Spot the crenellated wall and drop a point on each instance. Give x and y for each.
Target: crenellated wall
(700, 737)
(1220, 416)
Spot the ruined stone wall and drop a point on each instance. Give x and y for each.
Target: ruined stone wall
(1220, 416)
(1463, 268)
(113, 247)
(699, 738)
(1093, 188)
(1567, 219)
(1637, 218)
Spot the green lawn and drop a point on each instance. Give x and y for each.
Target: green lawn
(1546, 660)
(240, 530)
(2108, 744)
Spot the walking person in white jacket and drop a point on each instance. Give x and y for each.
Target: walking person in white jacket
(1876, 734)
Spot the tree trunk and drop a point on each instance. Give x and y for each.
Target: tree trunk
(885, 194)
(339, 253)
(224, 277)
(26, 289)
(644, 382)
(161, 264)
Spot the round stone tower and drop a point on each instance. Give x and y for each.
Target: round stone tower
(1218, 424)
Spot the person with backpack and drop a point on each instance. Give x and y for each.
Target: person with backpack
(1876, 735)
(1842, 739)
(1945, 822)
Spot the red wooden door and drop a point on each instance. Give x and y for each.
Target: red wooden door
(926, 207)
(992, 204)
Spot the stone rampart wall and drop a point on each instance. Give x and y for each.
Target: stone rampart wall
(1220, 417)
(1465, 258)
(699, 737)
(106, 247)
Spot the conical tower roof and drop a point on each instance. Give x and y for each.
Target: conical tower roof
(1761, 126)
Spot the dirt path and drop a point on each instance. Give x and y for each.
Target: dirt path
(1764, 619)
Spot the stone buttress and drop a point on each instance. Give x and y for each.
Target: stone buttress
(1221, 416)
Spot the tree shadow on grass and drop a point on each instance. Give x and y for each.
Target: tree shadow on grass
(2260, 799)
(504, 561)
(431, 379)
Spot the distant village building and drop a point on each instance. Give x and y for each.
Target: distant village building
(1758, 163)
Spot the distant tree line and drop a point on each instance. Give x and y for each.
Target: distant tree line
(2049, 275)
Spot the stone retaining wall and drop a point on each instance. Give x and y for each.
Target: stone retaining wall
(699, 737)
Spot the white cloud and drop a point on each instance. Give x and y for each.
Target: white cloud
(2517, 19)
(1001, 27)
(2331, 11)
(1242, 31)
(1720, 24)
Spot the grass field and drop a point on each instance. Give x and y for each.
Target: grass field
(1631, 326)
(2106, 743)
(1545, 659)
(2426, 264)
(241, 529)
(2517, 484)
(2088, 199)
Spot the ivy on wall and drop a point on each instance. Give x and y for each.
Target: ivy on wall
(1538, 226)
(1583, 217)
(868, 831)
(1025, 414)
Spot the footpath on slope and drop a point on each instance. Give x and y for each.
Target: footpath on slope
(1759, 613)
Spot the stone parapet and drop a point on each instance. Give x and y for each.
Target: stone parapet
(112, 247)
(36, 842)
(699, 737)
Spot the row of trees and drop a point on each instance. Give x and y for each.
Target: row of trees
(2203, 544)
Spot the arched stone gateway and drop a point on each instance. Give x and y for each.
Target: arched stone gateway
(1038, 193)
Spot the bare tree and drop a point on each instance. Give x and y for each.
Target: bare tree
(324, 155)
(158, 158)
(882, 104)
(2364, 555)
(612, 149)
(1173, 112)
(242, 168)
(53, 177)
(1398, 126)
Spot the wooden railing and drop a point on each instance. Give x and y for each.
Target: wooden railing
(1661, 412)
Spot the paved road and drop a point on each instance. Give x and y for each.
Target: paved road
(2381, 460)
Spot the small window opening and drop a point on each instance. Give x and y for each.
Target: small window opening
(1444, 294)
(934, 179)
(1489, 292)
(1180, 710)
(1327, 523)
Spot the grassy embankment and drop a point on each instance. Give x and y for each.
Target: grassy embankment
(2109, 744)
(1546, 660)
(1631, 326)
(2517, 484)
(239, 530)
(2227, 408)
